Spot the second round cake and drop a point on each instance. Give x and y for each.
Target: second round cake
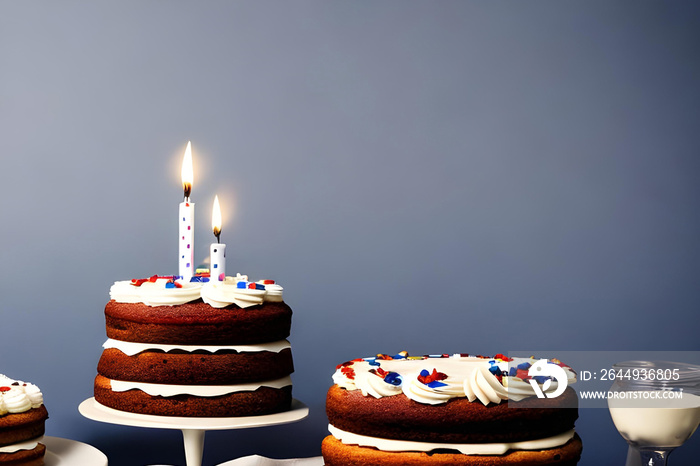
(449, 410)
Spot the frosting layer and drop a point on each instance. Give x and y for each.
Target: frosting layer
(437, 379)
(26, 445)
(169, 291)
(349, 438)
(155, 389)
(132, 349)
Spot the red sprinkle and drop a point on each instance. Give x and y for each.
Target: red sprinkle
(251, 286)
(432, 377)
(503, 357)
(268, 282)
(380, 372)
(5, 389)
(349, 372)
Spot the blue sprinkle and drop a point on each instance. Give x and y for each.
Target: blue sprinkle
(495, 370)
(424, 373)
(512, 372)
(540, 378)
(170, 285)
(393, 378)
(524, 366)
(436, 384)
(196, 279)
(373, 362)
(399, 356)
(216, 266)
(241, 285)
(259, 286)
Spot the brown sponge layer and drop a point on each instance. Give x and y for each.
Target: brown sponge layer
(197, 323)
(198, 368)
(335, 453)
(15, 428)
(264, 400)
(33, 457)
(457, 421)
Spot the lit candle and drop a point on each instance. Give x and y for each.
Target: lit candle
(217, 251)
(186, 220)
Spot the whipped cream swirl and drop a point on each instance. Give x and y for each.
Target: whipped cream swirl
(237, 290)
(17, 396)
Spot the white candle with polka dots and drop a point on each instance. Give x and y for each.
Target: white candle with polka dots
(217, 251)
(186, 220)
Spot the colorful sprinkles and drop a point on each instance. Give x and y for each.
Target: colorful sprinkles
(171, 280)
(434, 379)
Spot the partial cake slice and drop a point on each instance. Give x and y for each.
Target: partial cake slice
(22, 419)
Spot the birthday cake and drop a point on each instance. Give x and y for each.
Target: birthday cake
(22, 418)
(449, 410)
(196, 349)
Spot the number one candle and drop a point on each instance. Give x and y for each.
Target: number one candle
(186, 220)
(217, 251)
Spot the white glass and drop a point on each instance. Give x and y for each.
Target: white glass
(656, 407)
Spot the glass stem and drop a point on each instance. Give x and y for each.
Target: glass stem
(654, 457)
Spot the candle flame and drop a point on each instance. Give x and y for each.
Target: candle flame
(216, 218)
(187, 171)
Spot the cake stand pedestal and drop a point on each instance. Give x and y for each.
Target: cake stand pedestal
(193, 428)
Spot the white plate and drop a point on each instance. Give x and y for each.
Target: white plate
(256, 460)
(64, 452)
(91, 409)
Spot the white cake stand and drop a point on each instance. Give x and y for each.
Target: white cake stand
(193, 428)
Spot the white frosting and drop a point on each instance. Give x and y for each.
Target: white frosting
(155, 389)
(26, 445)
(132, 349)
(216, 294)
(273, 293)
(222, 294)
(465, 377)
(17, 396)
(154, 293)
(349, 438)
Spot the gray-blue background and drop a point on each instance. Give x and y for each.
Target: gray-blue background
(434, 177)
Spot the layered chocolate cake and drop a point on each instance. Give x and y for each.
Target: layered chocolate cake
(196, 349)
(22, 418)
(449, 410)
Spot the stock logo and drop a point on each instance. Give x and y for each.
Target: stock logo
(543, 369)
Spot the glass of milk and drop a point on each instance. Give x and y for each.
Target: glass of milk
(655, 407)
